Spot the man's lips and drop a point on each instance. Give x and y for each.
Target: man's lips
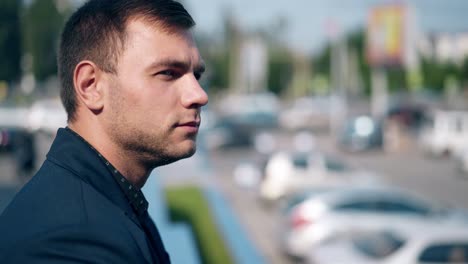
(190, 124)
(190, 127)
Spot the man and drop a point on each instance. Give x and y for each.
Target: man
(129, 71)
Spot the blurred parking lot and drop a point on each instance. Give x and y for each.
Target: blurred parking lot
(437, 179)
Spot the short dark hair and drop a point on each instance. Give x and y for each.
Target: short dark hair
(96, 32)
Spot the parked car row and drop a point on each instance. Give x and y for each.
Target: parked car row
(327, 206)
(287, 173)
(410, 244)
(325, 215)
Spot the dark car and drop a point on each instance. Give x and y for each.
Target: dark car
(410, 116)
(226, 132)
(20, 143)
(361, 133)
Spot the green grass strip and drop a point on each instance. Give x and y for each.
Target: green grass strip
(188, 205)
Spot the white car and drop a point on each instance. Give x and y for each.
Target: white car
(287, 173)
(323, 216)
(47, 116)
(424, 243)
(13, 117)
(307, 112)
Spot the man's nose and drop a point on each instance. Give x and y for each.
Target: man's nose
(194, 96)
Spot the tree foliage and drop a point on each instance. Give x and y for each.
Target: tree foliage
(219, 73)
(434, 73)
(41, 28)
(10, 40)
(280, 71)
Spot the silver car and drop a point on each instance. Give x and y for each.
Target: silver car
(325, 215)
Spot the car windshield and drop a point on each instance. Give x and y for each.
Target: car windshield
(445, 253)
(382, 203)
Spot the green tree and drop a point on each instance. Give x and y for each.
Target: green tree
(280, 71)
(464, 72)
(42, 24)
(357, 42)
(396, 78)
(321, 62)
(219, 70)
(435, 73)
(10, 40)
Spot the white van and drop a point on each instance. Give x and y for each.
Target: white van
(447, 134)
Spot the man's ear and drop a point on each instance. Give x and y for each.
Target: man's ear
(88, 90)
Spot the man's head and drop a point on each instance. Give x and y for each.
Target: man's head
(97, 32)
(130, 70)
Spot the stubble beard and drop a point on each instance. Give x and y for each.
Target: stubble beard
(151, 147)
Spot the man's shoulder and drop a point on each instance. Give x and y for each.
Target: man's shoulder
(57, 210)
(44, 202)
(52, 199)
(51, 191)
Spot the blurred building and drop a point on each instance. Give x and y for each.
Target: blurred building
(253, 65)
(445, 47)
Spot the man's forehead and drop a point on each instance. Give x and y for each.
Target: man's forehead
(141, 24)
(142, 30)
(162, 46)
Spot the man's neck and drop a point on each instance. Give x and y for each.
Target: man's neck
(126, 163)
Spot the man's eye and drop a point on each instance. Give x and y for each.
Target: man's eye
(168, 74)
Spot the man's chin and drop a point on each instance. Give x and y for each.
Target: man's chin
(189, 152)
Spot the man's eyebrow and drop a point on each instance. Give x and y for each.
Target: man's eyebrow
(183, 65)
(170, 63)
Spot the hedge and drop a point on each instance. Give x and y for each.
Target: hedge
(188, 205)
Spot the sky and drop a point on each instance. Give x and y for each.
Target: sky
(308, 19)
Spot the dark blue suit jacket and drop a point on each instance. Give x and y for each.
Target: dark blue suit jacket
(72, 211)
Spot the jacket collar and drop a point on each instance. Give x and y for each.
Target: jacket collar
(74, 154)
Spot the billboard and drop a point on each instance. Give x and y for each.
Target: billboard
(387, 35)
